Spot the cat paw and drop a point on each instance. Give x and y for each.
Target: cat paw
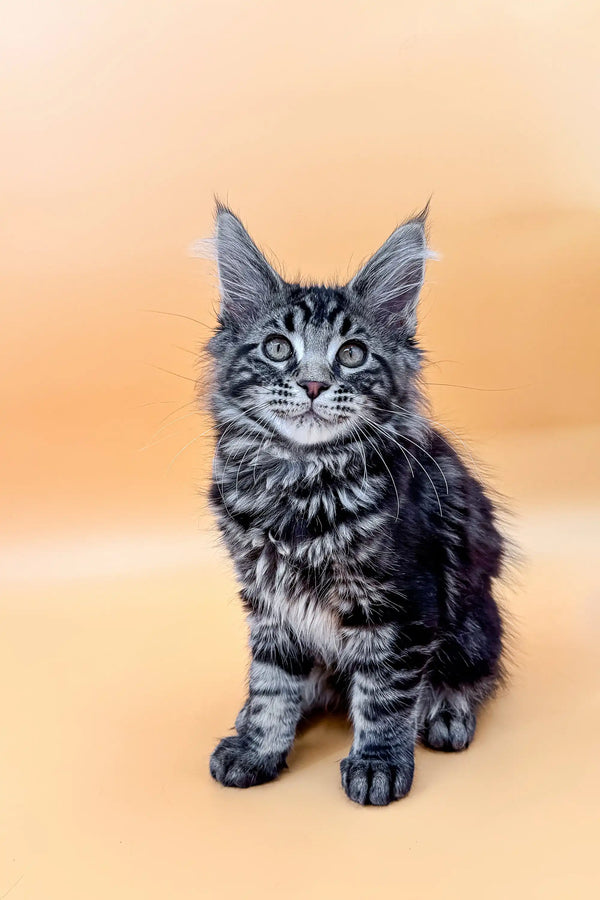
(375, 781)
(449, 730)
(235, 763)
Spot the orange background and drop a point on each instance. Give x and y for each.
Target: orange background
(322, 124)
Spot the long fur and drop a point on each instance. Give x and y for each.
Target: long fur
(365, 548)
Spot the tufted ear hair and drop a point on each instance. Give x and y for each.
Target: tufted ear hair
(246, 280)
(391, 280)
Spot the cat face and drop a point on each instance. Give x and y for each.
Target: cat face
(316, 365)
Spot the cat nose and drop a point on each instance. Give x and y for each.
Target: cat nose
(314, 388)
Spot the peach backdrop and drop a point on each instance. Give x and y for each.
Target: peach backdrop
(322, 124)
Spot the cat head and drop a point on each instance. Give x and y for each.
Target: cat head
(316, 364)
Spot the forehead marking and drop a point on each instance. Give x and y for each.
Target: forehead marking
(303, 305)
(334, 312)
(319, 310)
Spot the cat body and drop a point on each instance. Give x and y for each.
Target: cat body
(365, 549)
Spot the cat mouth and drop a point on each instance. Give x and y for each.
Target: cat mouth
(314, 415)
(310, 427)
(311, 416)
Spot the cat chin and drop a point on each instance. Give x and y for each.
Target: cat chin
(308, 431)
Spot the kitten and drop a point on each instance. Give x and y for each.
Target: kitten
(365, 549)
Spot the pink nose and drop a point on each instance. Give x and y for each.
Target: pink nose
(314, 388)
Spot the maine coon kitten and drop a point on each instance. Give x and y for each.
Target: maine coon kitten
(365, 548)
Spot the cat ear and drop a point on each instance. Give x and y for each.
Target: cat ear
(391, 280)
(246, 280)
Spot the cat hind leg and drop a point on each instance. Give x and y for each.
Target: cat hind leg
(447, 716)
(464, 672)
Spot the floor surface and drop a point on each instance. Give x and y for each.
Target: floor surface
(123, 661)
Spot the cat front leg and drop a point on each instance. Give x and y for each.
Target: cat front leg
(383, 709)
(267, 723)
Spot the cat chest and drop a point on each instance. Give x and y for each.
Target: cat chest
(313, 603)
(307, 571)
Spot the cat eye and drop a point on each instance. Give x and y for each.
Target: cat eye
(352, 354)
(277, 348)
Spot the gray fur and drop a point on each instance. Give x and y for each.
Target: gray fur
(364, 548)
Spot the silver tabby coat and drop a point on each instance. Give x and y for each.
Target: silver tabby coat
(365, 549)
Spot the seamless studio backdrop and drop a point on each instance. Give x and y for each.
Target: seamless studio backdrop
(123, 646)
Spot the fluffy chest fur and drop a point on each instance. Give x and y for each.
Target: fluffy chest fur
(365, 548)
(304, 535)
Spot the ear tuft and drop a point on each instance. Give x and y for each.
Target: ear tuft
(391, 280)
(246, 280)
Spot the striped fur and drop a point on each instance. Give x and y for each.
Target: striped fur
(365, 549)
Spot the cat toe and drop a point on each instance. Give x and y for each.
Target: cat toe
(449, 731)
(375, 782)
(235, 764)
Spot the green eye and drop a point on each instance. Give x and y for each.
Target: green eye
(352, 354)
(277, 348)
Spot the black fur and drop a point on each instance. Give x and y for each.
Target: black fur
(366, 549)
